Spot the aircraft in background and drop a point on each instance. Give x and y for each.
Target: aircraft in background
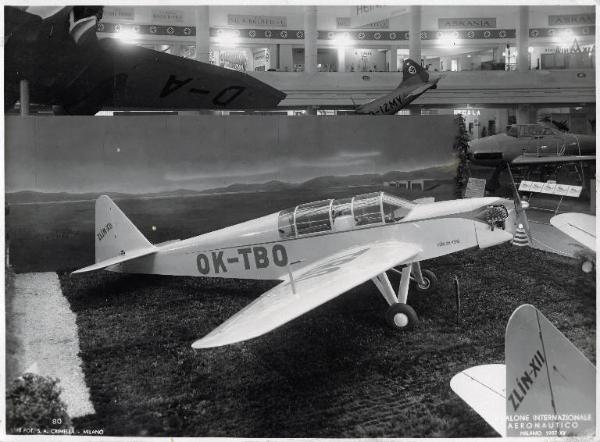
(415, 82)
(318, 250)
(582, 228)
(57, 51)
(532, 144)
(545, 378)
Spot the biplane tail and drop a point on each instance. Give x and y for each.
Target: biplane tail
(116, 238)
(547, 387)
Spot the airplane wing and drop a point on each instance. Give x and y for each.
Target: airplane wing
(14, 17)
(310, 287)
(579, 226)
(483, 388)
(145, 78)
(419, 90)
(524, 159)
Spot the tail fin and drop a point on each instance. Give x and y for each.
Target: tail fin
(116, 238)
(412, 69)
(545, 378)
(547, 375)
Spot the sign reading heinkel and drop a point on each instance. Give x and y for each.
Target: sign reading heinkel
(256, 20)
(466, 23)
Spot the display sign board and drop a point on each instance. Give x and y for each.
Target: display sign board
(167, 15)
(571, 19)
(365, 9)
(551, 188)
(343, 22)
(466, 23)
(548, 188)
(120, 13)
(256, 20)
(475, 188)
(346, 22)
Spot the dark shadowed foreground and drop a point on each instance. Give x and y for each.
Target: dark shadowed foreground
(338, 371)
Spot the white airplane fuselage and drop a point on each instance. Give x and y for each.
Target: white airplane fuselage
(255, 249)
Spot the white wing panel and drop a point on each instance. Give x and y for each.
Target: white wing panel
(312, 286)
(483, 388)
(579, 226)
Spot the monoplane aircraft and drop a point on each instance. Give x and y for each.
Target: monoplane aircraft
(415, 82)
(547, 387)
(56, 50)
(531, 144)
(318, 250)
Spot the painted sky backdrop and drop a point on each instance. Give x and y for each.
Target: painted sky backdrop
(140, 154)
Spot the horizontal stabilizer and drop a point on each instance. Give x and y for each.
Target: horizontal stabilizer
(126, 256)
(483, 389)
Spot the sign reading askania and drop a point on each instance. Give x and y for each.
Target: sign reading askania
(571, 19)
(256, 20)
(466, 23)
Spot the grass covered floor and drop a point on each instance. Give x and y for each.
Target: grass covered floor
(338, 371)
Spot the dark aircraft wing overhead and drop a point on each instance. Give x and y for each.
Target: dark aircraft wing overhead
(524, 159)
(144, 78)
(16, 17)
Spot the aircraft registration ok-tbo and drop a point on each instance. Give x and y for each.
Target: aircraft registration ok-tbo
(318, 250)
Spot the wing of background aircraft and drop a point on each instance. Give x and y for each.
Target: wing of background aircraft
(127, 76)
(545, 376)
(579, 226)
(151, 79)
(525, 159)
(307, 288)
(67, 66)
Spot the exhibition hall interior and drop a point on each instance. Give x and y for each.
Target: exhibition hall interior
(300, 221)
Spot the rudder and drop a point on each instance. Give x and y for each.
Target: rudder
(412, 69)
(114, 232)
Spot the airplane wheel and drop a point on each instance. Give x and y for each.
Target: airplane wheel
(401, 317)
(430, 282)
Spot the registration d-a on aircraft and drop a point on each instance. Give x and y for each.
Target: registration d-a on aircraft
(547, 387)
(317, 250)
(56, 50)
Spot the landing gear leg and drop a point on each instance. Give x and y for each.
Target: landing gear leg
(400, 315)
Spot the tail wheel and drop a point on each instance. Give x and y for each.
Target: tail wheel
(402, 317)
(429, 284)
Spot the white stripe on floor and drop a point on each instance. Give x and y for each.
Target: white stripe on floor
(48, 332)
